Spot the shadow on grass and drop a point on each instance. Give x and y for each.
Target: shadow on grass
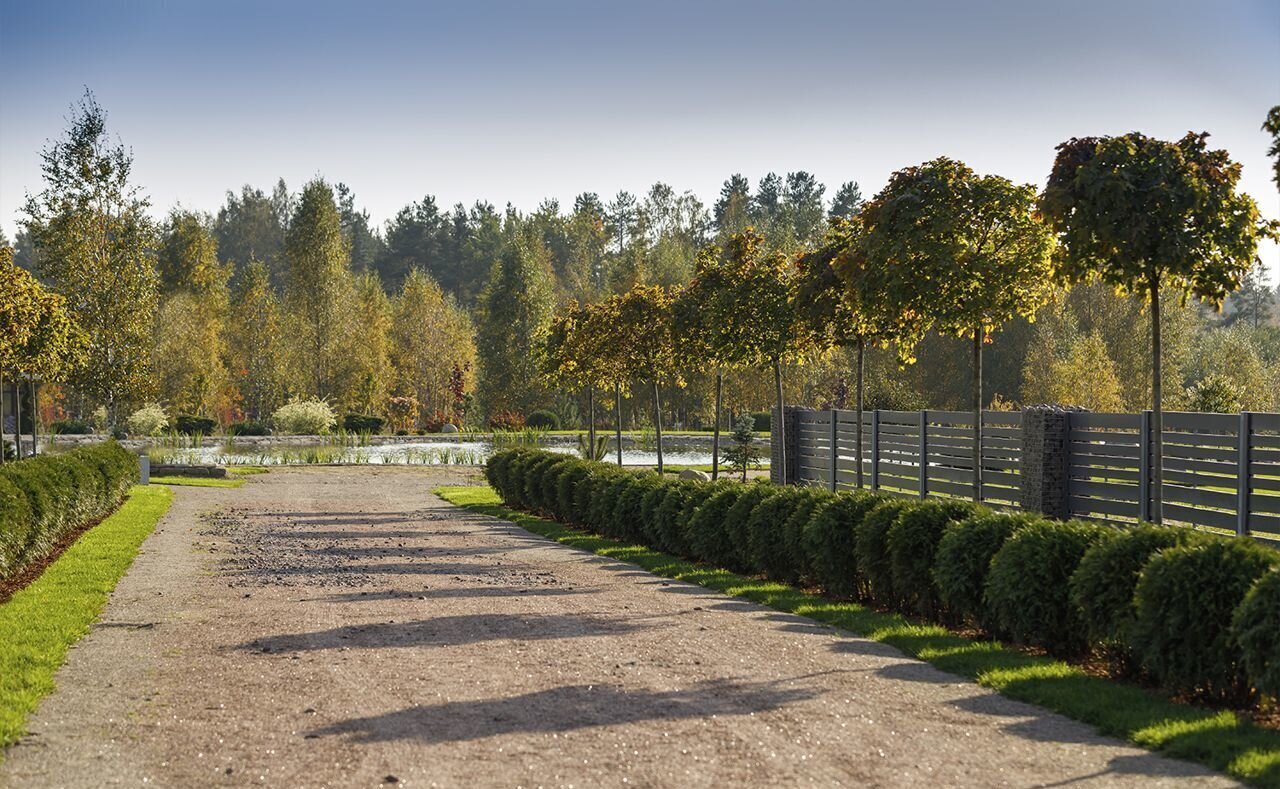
(1218, 739)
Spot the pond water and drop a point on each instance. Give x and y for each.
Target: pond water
(425, 452)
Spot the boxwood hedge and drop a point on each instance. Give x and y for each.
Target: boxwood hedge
(1200, 613)
(48, 496)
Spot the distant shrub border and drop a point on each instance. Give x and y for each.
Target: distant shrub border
(48, 496)
(1138, 596)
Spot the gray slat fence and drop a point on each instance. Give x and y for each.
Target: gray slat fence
(1221, 471)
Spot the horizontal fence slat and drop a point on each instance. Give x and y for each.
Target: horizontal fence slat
(1200, 516)
(1200, 497)
(1083, 506)
(1209, 423)
(1105, 490)
(1120, 421)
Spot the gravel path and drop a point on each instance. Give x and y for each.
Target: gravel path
(344, 627)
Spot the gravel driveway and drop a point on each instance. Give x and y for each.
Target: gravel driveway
(344, 627)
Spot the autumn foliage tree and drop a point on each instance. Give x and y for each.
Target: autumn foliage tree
(967, 251)
(1142, 215)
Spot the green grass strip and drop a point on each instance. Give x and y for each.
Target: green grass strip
(42, 621)
(199, 482)
(1218, 739)
(245, 471)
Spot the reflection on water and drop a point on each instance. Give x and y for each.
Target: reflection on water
(426, 452)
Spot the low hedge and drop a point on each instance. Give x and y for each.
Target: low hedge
(45, 497)
(1028, 585)
(189, 425)
(362, 423)
(1197, 612)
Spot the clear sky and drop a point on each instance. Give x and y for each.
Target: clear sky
(518, 101)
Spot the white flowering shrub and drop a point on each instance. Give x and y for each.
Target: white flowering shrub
(304, 418)
(150, 420)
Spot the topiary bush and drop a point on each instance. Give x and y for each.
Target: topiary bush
(830, 537)
(672, 515)
(963, 559)
(574, 475)
(913, 542)
(737, 553)
(1256, 628)
(705, 531)
(762, 421)
(1102, 586)
(590, 501)
(768, 549)
(1028, 588)
(189, 425)
(794, 527)
(649, 507)
(1183, 608)
(542, 420)
(248, 429)
(534, 468)
(362, 423)
(871, 549)
(551, 484)
(70, 427)
(624, 521)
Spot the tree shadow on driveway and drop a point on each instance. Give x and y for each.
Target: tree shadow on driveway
(565, 709)
(447, 631)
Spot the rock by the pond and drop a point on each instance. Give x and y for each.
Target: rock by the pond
(694, 474)
(448, 428)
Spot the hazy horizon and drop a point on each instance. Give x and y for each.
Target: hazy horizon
(511, 103)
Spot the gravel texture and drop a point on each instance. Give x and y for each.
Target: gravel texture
(344, 627)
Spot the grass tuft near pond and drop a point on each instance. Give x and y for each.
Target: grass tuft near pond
(1218, 739)
(41, 622)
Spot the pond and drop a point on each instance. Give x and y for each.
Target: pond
(424, 452)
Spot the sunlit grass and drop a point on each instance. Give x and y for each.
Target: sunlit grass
(198, 482)
(41, 622)
(1218, 739)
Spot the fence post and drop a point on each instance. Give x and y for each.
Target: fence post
(1044, 470)
(1144, 467)
(835, 452)
(144, 469)
(777, 474)
(875, 449)
(924, 454)
(1242, 475)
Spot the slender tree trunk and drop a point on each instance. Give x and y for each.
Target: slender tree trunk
(17, 422)
(862, 348)
(657, 423)
(35, 417)
(977, 413)
(591, 420)
(617, 398)
(1, 420)
(715, 430)
(1157, 410)
(782, 422)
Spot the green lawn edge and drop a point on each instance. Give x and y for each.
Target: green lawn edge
(41, 622)
(1217, 739)
(199, 482)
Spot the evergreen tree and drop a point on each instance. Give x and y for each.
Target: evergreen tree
(251, 227)
(802, 205)
(318, 286)
(365, 244)
(733, 209)
(515, 309)
(847, 202)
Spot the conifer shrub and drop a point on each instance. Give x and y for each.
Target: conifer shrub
(912, 541)
(1184, 603)
(671, 516)
(1256, 628)
(567, 484)
(797, 522)
(830, 540)
(1102, 586)
(871, 549)
(624, 523)
(737, 554)
(1028, 587)
(706, 533)
(963, 560)
(768, 549)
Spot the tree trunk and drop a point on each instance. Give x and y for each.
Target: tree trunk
(1, 420)
(617, 398)
(35, 417)
(657, 423)
(1157, 412)
(591, 420)
(715, 430)
(17, 422)
(781, 432)
(977, 413)
(862, 348)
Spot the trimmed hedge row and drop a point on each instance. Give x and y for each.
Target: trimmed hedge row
(1198, 613)
(44, 497)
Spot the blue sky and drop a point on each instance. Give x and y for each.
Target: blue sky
(521, 101)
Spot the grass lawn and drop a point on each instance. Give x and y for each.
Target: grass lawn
(246, 471)
(199, 482)
(1218, 739)
(39, 623)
